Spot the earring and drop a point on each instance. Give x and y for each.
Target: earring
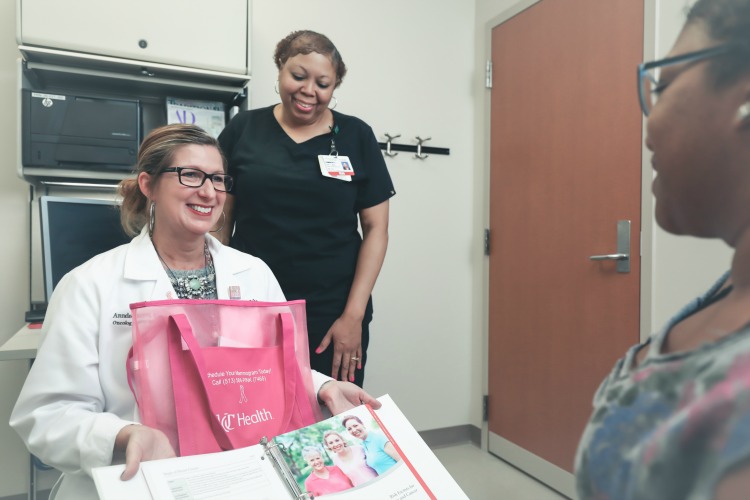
(223, 221)
(276, 87)
(743, 112)
(151, 219)
(335, 102)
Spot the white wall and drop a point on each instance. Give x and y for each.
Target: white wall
(410, 72)
(14, 257)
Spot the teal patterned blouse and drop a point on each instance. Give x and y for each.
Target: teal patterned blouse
(670, 428)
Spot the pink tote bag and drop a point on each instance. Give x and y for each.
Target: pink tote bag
(221, 374)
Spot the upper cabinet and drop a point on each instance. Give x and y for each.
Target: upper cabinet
(95, 76)
(210, 35)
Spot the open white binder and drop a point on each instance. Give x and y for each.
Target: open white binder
(262, 471)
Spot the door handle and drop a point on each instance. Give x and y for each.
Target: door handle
(623, 248)
(611, 256)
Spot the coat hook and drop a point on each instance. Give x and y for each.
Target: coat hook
(419, 147)
(390, 138)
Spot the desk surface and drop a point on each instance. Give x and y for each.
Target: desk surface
(22, 345)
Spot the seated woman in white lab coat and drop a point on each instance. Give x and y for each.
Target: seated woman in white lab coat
(75, 411)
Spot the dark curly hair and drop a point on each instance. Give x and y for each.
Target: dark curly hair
(305, 42)
(727, 21)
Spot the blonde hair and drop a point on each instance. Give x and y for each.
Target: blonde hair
(332, 433)
(155, 154)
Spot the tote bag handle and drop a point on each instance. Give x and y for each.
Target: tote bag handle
(131, 376)
(179, 328)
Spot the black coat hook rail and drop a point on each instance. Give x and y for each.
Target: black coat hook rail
(413, 149)
(420, 151)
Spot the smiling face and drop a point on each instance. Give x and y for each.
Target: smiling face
(185, 213)
(315, 460)
(306, 83)
(356, 429)
(335, 443)
(702, 177)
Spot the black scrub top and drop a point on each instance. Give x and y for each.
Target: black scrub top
(301, 223)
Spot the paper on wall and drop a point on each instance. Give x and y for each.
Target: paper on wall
(208, 115)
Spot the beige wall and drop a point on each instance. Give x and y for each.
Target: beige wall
(410, 72)
(14, 256)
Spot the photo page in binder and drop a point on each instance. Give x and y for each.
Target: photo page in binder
(361, 453)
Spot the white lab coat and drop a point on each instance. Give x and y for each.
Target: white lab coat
(76, 397)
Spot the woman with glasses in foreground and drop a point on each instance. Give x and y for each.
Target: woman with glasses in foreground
(672, 420)
(76, 411)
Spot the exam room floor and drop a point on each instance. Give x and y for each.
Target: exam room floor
(484, 476)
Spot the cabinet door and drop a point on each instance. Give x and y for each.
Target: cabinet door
(193, 33)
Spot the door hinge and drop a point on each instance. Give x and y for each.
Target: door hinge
(485, 408)
(488, 75)
(487, 241)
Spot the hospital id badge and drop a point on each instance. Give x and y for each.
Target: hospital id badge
(336, 167)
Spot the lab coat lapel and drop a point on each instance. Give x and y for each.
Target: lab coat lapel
(227, 266)
(143, 265)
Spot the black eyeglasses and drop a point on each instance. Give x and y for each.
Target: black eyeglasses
(194, 178)
(649, 86)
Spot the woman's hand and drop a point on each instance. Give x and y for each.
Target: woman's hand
(141, 444)
(343, 396)
(346, 332)
(346, 335)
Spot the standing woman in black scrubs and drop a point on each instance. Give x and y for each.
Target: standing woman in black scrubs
(305, 177)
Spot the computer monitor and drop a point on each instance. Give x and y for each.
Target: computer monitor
(73, 231)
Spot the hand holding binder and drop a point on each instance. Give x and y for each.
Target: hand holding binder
(274, 469)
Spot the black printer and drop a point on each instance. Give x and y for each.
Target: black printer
(79, 132)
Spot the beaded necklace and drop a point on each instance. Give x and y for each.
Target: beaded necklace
(193, 284)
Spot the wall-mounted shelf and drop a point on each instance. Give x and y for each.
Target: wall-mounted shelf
(60, 72)
(57, 63)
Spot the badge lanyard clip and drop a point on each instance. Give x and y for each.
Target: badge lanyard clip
(334, 131)
(333, 165)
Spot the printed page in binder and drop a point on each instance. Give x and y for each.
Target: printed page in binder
(362, 453)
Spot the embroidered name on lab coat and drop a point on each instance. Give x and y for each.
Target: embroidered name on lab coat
(122, 319)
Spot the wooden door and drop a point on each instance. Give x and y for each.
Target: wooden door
(565, 167)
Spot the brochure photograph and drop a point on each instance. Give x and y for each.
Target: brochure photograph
(362, 453)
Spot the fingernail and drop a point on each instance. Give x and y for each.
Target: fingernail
(351, 379)
(317, 351)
